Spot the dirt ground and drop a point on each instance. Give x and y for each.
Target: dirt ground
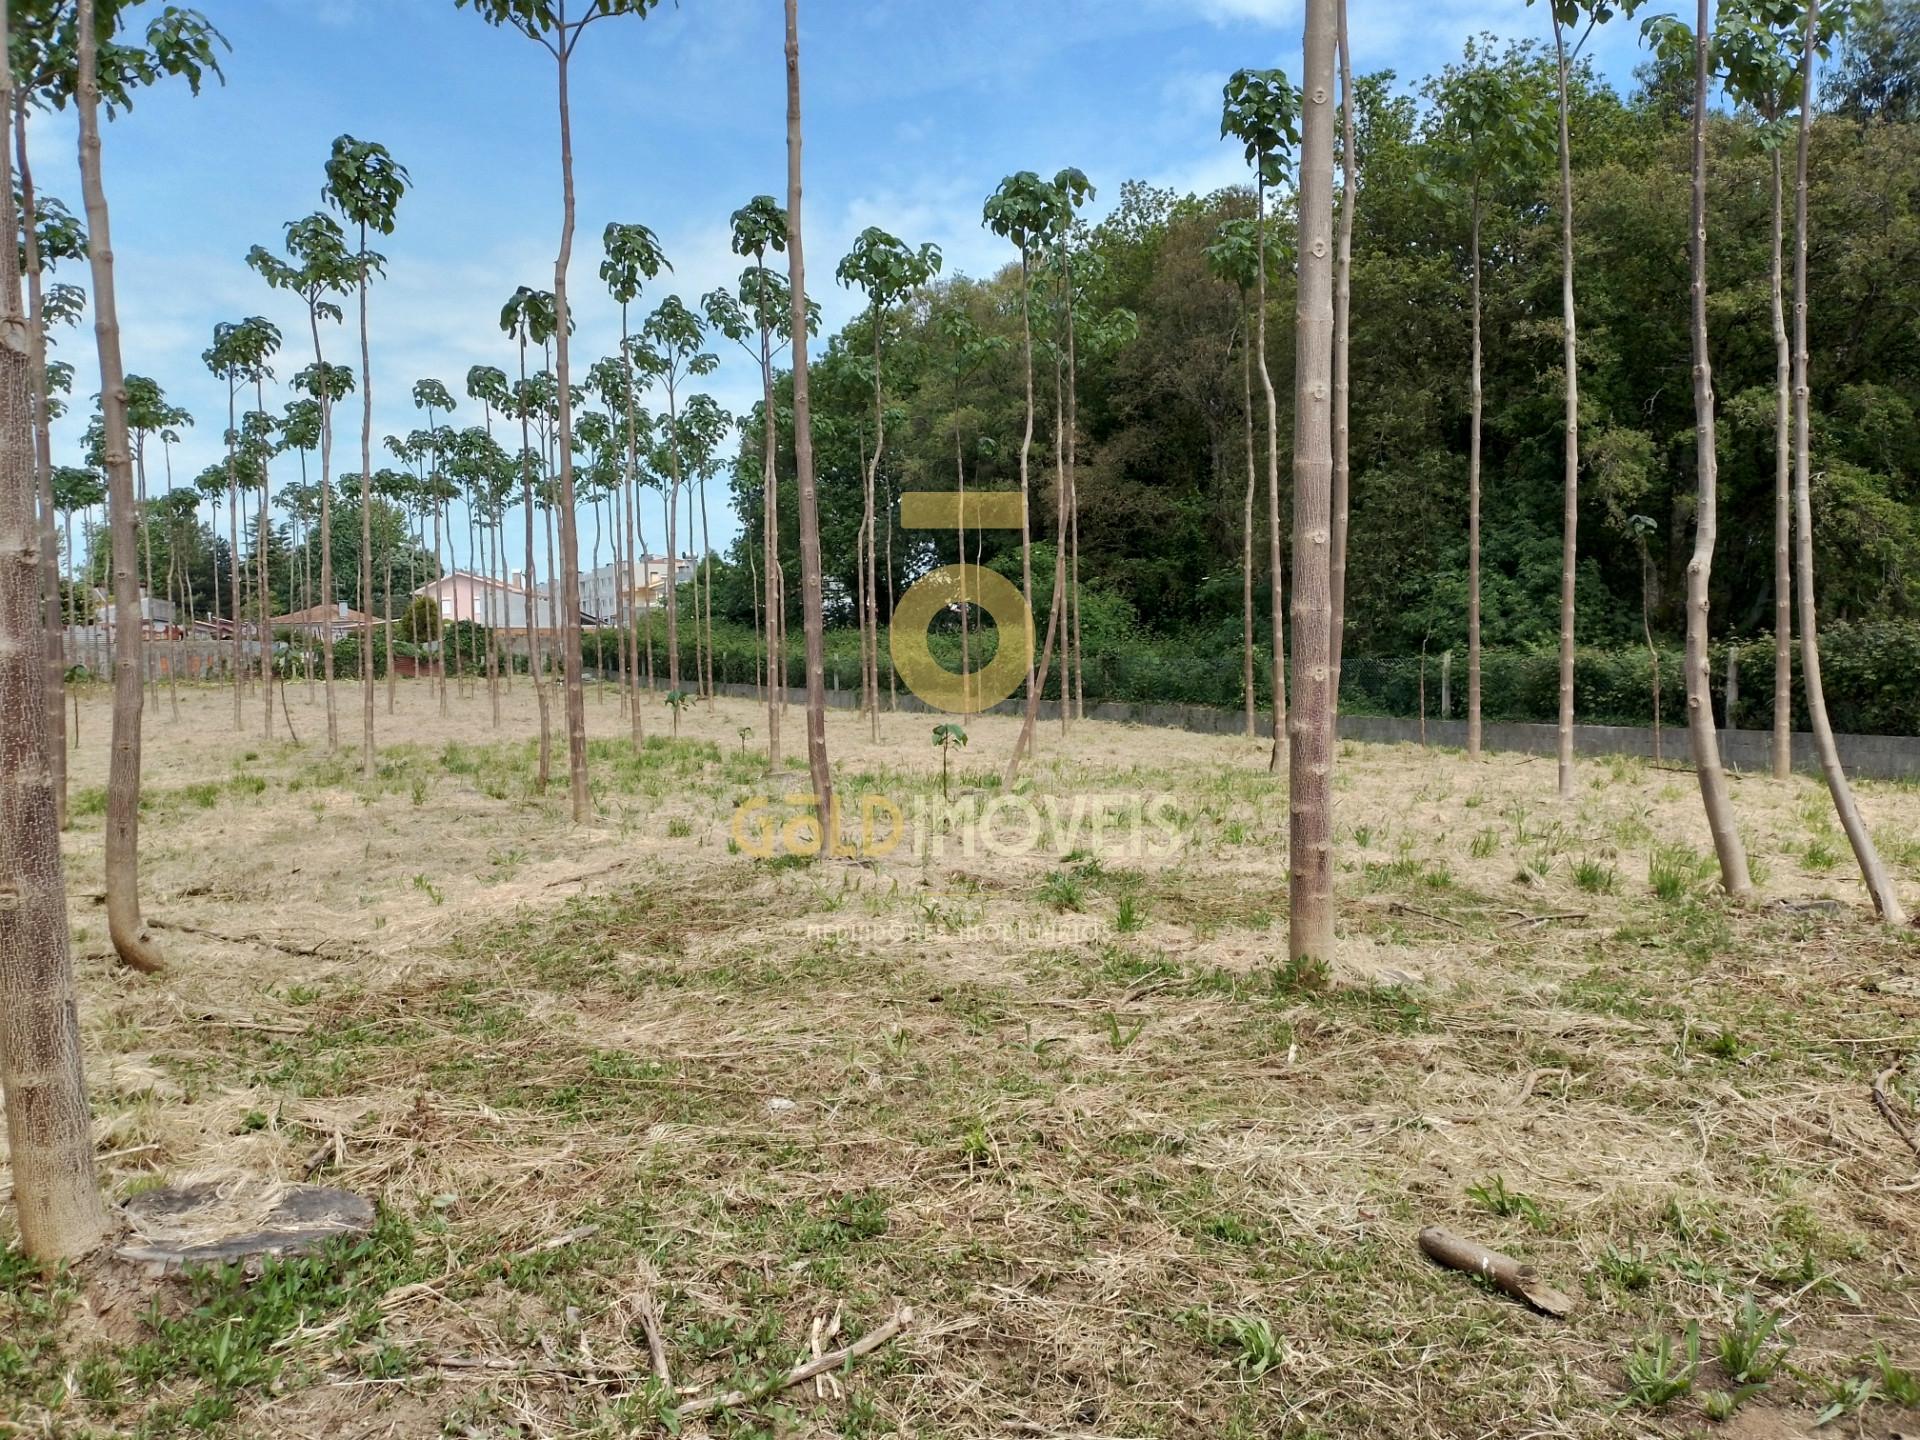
(1040, 1071)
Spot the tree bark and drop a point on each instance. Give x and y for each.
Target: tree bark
(1886, 898)
(769, 505)
(1700, 729)
(1570, 504)
(1246, 524)
(1310, 729)
(326, 529)
(812, 609)
(1342, 308)
(366, 532)
(49, 1132)
(1782, 508)
(569, 534)
(131, 941)
(1273, 481)
(1477, 402)
(56, 664)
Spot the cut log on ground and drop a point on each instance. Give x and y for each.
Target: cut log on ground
(1503, 1272)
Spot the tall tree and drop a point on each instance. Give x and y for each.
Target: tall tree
(365, 184)
(320, 265)
(546, 23)
(1566, 15)
(886, 269)
(183, 45)
(487, 470)
(1260, 109)
(813, 612)
(49, 1131)
(1674, 41)
(1886, 898)
(433, 397)
(759, 226)
(1310, 731)
(669, 350)
(633, 257)
(529, 318)
(1235, 255)
(1342, 345)
(1491, 130)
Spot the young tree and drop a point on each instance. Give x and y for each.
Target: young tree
(633, 256)
(365, 184)
(1310, 728)
(529, 318)
(1757, 43)
(1566, 14)
(669, 351)
(886, 269)
(1492, 130)
(49, 1131)
(320, 266)
(1260, 108)
(434, 490)
(545, 22)
(183, 45)
(1235, 255)
(1025, 209)
(1886, 898)
(487, 470)
(759, 226)
(813, 616)
(1674, 41)
(239, 355)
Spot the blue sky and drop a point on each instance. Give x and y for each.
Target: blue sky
(914, 110)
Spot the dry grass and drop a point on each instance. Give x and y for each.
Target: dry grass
(1136, 1174)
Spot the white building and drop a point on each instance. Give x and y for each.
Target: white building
(646, 584)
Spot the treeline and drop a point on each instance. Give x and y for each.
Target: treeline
(1161, 458)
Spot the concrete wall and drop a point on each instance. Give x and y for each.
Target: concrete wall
(1878, 757)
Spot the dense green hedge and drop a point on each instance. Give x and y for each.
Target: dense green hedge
(1872, 675)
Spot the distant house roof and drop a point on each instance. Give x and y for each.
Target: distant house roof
(321, 615)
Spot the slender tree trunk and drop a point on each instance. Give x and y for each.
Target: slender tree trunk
(1074, 698)
(1273, 483)
(1056, 607)
(266, 590)
(770, 510)
(393, 670)
(870, 632)
(706, 565)
(1310, 733)
(1342, 349)
(533, 598)
(1246, 521)
(636, 551)
(966, 646)
(673, 527)
(1706, 743)
(1026, 447)
(569, 533)
(811, 600)
(55, 640)
(49, 1131)
(1570, 505)
(233, 553)
(326, 531)
(1477, 402)
(366, 533)
(1886, 899)
(130, 939)
(1782, 509)
(173, 643)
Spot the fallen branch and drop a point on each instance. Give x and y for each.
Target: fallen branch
(1526, 920)
(800, 1374)
(305, 951)
(648, 1310)
(1884, 1105)
(1503, 1272)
